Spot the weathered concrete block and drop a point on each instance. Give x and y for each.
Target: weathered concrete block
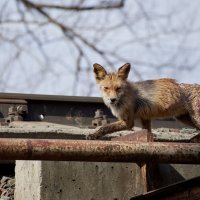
(54, 180)
(28, 176)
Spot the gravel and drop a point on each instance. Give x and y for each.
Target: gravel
(7, 187)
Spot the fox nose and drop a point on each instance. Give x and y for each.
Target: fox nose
(113, 100)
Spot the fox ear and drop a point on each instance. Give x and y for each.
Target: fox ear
(123, 71)
(99, 72)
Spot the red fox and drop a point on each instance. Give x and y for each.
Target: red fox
(145, 100)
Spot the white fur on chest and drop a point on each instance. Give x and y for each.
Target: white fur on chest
(116, 111)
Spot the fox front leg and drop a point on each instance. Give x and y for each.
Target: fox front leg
(110, 128)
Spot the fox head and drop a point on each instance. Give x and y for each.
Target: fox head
(112, 85)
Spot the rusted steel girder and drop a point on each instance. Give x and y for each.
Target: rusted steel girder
(99, 151)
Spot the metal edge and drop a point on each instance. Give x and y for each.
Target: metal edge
(42, 97)
(179, 186)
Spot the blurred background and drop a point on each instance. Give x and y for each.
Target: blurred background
(49, 47)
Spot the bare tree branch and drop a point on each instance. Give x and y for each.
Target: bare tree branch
(51, 46)
(104, 5)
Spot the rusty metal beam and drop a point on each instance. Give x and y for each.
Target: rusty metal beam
(99, 151)
(187, 189)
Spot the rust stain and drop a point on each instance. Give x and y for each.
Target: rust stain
(99, 151)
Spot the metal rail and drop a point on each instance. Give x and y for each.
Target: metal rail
(69, 110)
(42, 97)
(99, 151)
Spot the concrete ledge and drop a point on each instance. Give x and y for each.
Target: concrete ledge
(45, 130)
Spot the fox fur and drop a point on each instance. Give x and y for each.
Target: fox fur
(145, 100)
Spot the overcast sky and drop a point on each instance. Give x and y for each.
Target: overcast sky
(158, 38)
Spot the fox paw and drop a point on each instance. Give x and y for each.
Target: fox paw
(91, 137)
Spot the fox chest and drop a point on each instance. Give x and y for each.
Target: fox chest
(116, 112)
(121, 113)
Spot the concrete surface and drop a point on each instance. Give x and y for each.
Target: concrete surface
(76, 181)
(44, 130)
(28, 177)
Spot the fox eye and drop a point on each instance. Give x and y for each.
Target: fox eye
(105, 88)
(118, 88)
